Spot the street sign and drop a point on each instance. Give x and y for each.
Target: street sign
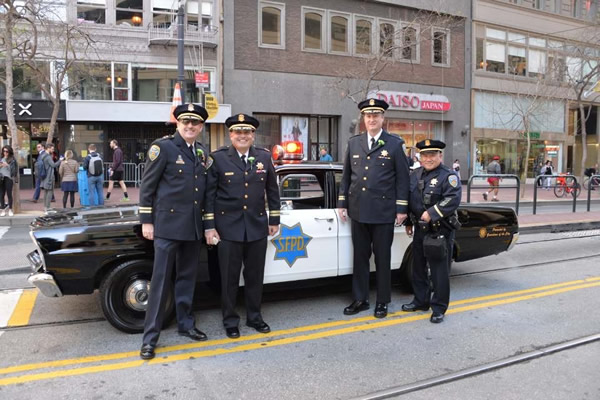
(212, 105)
(202, 80)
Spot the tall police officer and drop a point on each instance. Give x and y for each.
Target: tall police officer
(374, 193)
(171, 201)
(434, 197)
(238, 180)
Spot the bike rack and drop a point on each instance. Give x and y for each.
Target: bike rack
(510, 176)
(590, 186)
(566, 177)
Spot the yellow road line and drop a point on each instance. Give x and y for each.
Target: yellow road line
(282, 341)
(301, 329)
(24, 308)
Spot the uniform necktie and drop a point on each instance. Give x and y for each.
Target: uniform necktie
(192, 150)
(244, 159)
(372, 143)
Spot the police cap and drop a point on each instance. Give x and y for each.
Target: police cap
(372, 106)
(241, 121)
(190, 111)
(431, 145)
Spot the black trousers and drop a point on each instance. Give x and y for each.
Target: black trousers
(440, 273)
(376, 239)
(169, 254)
(6, 188)
(231, 257)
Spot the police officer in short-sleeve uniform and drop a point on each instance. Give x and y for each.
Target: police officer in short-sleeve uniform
(435, 194)
(374, 194)
(239, 179)
(171, 203)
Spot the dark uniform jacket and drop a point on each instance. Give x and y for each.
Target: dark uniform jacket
(441, 193)
(374, 185)
(172, 192)
(235, 195)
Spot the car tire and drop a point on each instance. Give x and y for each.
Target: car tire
(405, 271)
(124, 294)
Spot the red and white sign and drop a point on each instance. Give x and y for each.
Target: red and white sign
(202, 80)
(414, 101)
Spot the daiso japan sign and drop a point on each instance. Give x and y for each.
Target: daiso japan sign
(414, 101)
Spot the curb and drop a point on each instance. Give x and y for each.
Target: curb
(19, 220)
(561, 227)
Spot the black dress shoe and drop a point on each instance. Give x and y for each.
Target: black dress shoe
(260, 326)
(436, 318)
(147, 352)
(194, 334)
(410, 307)
(232, 333)
(356, 307)
(380, 310)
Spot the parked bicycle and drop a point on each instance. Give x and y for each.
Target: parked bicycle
(595, 183)
(566, 185)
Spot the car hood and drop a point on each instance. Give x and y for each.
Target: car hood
(86, 216)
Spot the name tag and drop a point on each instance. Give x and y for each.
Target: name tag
(355, 156)
(228, 173)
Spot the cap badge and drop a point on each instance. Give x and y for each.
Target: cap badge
(372, 102)
(241, 117)
(427, 143)
(191, 107)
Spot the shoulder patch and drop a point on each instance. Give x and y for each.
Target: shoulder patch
(153, 152)
(453, 180)
(209, 162)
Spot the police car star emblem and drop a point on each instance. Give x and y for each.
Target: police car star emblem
(291, 244)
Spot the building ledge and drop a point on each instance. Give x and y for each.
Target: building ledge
(166, 34)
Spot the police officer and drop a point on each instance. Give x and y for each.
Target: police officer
(171, 202)
(374, 194)
(236, 219)
(434, 197)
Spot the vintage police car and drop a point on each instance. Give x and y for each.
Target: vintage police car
(81, 250)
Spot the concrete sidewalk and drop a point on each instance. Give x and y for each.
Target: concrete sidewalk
(507, 196)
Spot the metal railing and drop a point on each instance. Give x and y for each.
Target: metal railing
(166, 33)
(487, 186)
(131, 173)
(567, 182)
(594, 184)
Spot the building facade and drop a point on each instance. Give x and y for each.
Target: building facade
(528, 56)
(300, 67)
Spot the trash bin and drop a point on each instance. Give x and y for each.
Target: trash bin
(84, 190)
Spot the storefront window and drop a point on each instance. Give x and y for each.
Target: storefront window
(411, 131)
(90, 81)
(157, 83)
(25, 85)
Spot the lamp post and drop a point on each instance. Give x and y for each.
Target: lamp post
(180, 52)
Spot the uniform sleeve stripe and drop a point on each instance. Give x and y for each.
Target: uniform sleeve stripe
(275, 212)
(145, 208)
(208, 218)
(209, 215)
(438, 210)
(145, 211)
(341, 197)
(401, 202)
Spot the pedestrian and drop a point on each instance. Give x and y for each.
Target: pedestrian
(68, 178)
(171, 204)
(47, 168)
(116, 171)
(36, 193)
(456, 168)
(548, 172)
(416, 162)
(8, 174)
(434, 198)
(93, 164)
(325, 156)
(374, 194)
(239, 180)
(538, 171)
(493, 168)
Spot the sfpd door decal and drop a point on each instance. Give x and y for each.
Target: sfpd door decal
(291, 244)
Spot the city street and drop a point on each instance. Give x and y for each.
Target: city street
(543, 293)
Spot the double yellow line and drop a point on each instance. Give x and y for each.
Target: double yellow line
(50, 369)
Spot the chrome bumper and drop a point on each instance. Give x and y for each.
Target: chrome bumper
(45, 283)
(514, 240)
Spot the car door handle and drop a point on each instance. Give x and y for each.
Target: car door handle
(328, 219)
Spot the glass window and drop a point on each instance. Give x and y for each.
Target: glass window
(441, 47)
(576, 8)
(339, 34)
(557, 67)
(410, 44)
(517, 60)
(516, 38)
(573, 68)
(25, 84)
(553, 44)
(537, 42)
(363, 36)
(130, 12)
(272, 26)
(314, 28)
(164, 12)
(152, 83)
(120, 82)
(387, 39)
(192, 13)
(90, 81)
(479, 59)
(495, 34)
(537, 63)
(269, 130)
(92, 11)
(495, 57)
(538, 4)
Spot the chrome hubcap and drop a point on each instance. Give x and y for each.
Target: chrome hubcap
(136, 294)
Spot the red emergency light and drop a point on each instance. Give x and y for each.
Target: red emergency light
(288, 152)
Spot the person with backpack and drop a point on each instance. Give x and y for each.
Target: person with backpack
(95, 173)
(46, 172)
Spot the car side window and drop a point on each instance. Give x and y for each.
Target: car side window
(301, 191)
